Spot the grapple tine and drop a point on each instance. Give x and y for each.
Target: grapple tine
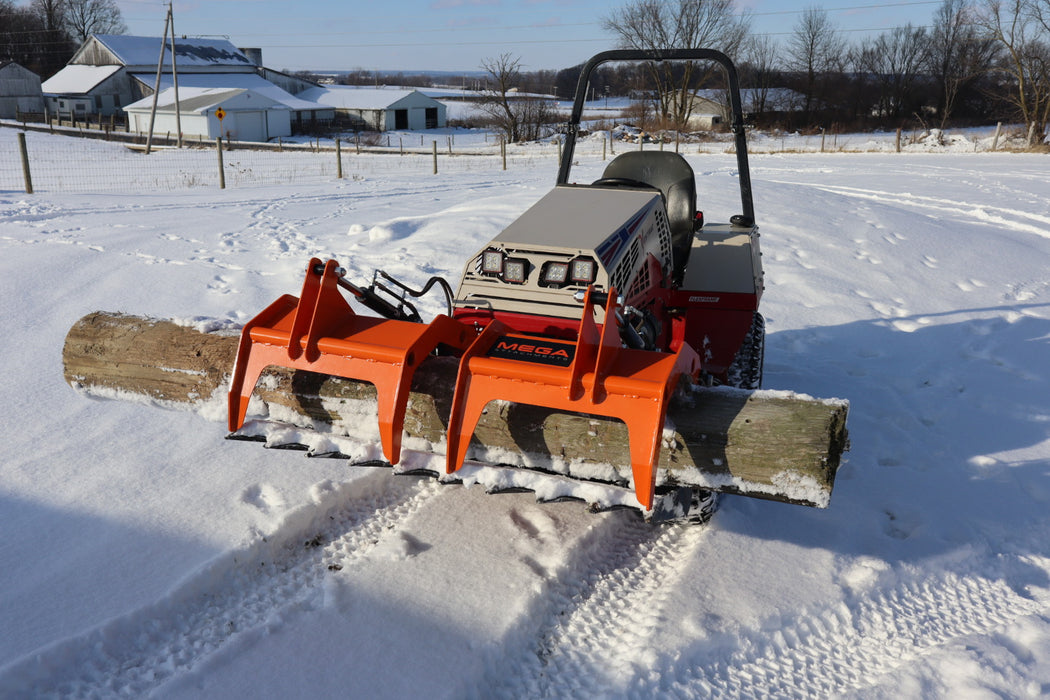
(602, 378)
(319, 332)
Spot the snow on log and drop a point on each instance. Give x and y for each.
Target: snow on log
(767, 444)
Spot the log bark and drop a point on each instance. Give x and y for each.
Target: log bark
(774, 445)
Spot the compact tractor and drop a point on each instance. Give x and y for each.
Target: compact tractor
(600, 300)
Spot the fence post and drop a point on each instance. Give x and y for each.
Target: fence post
(222, 172)
(25, 162)
(823, 135)
(1031, 135)
(435, 144)
(898, 140)
(338, 160)
(998, 131)
(503, 151)
(605, 143)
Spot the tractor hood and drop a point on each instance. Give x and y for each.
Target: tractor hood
(575, 236)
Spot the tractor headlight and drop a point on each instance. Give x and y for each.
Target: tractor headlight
(555, 273)
(515, 269)
(492, 262)
(582, 270)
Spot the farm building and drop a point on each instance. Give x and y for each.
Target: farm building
(111, 72)
(247, 115)
(19, 90)
(297, 113)
(711, 107)
(86, 91)
(379, 109)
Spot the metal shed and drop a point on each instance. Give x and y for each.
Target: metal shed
(382, 109)
(19, 90)
(247, 115)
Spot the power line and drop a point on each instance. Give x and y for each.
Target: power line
(245, 37)
(880, 6)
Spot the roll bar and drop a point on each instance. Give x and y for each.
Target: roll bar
(737, 123)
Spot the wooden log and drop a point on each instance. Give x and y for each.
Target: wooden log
(774, 445)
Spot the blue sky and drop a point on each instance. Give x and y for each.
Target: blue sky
(420, 35)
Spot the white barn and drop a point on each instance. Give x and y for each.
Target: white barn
(247, 115)
(19, 90)
(112, 72)
(382, 109)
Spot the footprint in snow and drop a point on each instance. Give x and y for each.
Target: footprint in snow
(264, 497)
(402, 546)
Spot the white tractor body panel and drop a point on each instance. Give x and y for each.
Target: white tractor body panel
(616, 227)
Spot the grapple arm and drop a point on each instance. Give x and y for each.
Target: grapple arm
(320, 332)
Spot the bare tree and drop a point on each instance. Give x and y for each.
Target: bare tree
(87, 17)
(759, 71)
(34, 36)
(56, 43)
(519, 116)
(653, 25)
(894, 61)
(815, 49)
(1017, 27)
(958, 54)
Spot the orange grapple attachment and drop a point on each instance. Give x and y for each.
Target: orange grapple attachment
(592, 375)
(320, 332)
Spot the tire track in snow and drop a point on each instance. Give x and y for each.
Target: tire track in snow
(843, 649)
(1015, 219)
(244, 591)
(599, 616)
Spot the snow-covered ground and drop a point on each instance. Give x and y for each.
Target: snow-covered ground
(143, 554)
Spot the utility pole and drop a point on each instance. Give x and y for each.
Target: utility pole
(156, 84)
(175, 76)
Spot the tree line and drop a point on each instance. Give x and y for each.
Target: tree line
(44, 34)
(976, 62)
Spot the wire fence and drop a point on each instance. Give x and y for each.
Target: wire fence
(42, 162)
(39, 161)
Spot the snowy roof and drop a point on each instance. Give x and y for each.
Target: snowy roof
(145, 50)
(77, 79)
(245, 81)
(203, 99)
(347, 97)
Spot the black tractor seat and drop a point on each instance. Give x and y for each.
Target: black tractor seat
(672, 175)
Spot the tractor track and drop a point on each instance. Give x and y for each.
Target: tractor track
(1013, 219)
(843, 649)
(596, 619)
(236, 596)
(597, 630)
